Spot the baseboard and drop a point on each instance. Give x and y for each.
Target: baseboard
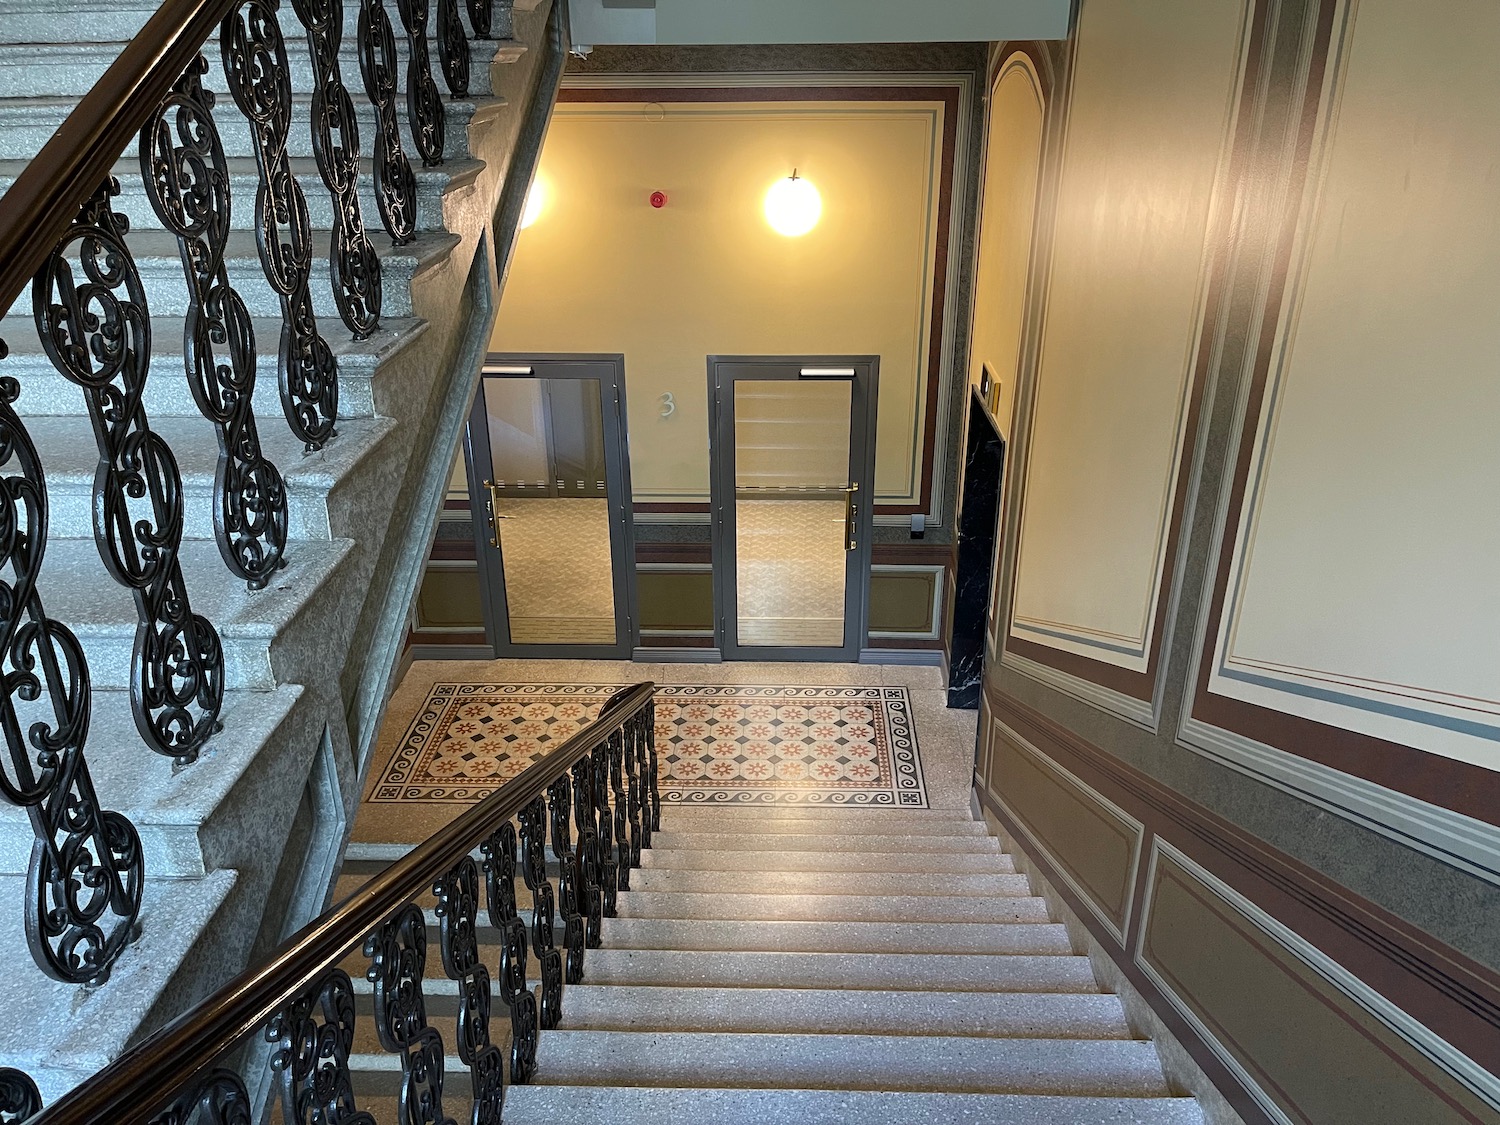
(451, 652)
(923, 657)
(643, 655)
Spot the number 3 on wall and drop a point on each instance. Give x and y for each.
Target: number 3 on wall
(668, 407)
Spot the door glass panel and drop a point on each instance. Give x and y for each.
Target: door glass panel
(552, 509)
(791, 486)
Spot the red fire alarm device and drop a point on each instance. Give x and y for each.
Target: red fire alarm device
(658, 199)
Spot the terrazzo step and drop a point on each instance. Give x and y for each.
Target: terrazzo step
(827, 842)
(641, 1105)
(674, 968)
(870, 824)
(184, 814)
(928, 1063)
(937, 863)
(810, 1011)
(760, 882)
(61, 1034)
(26, 124)
(44, 392)
(72, 458)
(830, 908)
(433, 184)
(845, 937)
(683, 816)
(76, 589)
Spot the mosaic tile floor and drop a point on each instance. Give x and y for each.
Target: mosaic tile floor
(715, 744)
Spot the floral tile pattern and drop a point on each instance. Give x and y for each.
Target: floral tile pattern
(714, 744)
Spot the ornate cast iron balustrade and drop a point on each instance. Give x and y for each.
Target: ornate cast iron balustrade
(424, 105)
(303, 1002)
(395, 183)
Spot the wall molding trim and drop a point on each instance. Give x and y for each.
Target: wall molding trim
(1468, 844)
(1141, 712)
(1439, 1051)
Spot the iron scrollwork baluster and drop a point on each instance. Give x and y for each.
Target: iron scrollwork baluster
(354, 269)
(219, 1098)
(570, 876)
(312, 1037)
(19, 1097)
(590, 893)
(187, 180)
(651, 820)
(255, 67)
(96, 329)
(458, 914)
(625, 854)
(453, 48)
(607, 870)
(481, 17)
(395, 183)
(534, 871)
(635, 745)
(424, 105)
(398, 959)
(500, 875)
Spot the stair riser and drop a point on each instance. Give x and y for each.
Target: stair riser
(830, 908)
(1099, 1068)
(837, 883)
(876, 971)
(23, 131)
(247, 661)
(72, 501)
(936, 863)
(45, 392)
(732, 841)
(845, 937)
(772, 827)
(132, 203)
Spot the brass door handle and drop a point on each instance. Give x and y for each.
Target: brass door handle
(850, 511)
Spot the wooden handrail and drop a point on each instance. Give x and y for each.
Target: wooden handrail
(130, 1090)
(45, 198)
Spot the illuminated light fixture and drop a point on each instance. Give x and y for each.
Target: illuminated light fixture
(793, 206)
(536, 200)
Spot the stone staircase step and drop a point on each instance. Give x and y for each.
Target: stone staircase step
(931, 1062)
(71, 456)
(44, 392)
(70, 21)
(831, 908)
(870, 824)
(76, 588)
(154, 979)
(833, 1011)
(244, 180)
(936, 863)
(845, 937)
(760, 882)
(753, 817)
(826, 842)
(641, 1105)
(188, 817)
(902, 971)
(26, 124)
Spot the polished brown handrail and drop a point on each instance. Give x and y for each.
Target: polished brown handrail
(36, 211)
(130, 1090)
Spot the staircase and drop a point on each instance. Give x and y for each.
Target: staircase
(824, 967)
(241, 847)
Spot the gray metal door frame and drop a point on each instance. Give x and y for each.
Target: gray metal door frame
(609, 370)
(864, 377)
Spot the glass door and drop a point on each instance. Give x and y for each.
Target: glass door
(550, 494)
(793, 467)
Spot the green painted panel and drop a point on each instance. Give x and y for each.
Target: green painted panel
(1310, 1045)
(902, 603)
(675, 599)
(1094, 845)
(449, 599)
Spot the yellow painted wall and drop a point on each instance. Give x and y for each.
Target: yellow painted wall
(1012, 156)
(602, 271)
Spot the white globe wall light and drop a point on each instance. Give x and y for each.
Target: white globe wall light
(793, 206)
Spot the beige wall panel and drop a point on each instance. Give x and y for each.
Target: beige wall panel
(1147, 137)
(1366, 583)
(601, 270)
(1012, 156)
